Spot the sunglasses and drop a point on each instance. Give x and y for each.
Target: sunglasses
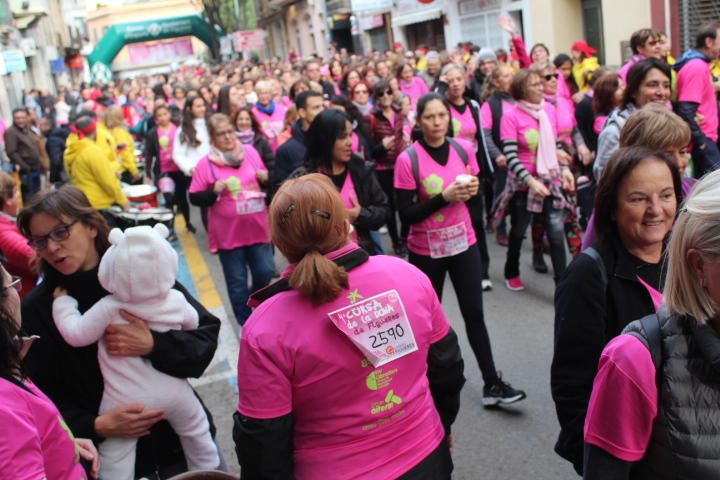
(58, 235)
(389, 93)
(550, 76)
(364, 92)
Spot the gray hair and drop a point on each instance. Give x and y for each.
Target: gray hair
(432, 55)
(697, 228)
(450, 67)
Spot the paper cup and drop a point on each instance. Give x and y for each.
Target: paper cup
(464, 179)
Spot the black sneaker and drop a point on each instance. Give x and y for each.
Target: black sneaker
(501, 393)
(538, 262)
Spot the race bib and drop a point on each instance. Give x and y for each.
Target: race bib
(448, 241)
(378, 327)
(250, 202)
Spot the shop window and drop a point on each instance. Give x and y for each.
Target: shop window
(693, 13)
(482, 29)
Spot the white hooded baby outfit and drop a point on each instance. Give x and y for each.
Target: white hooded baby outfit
(139, 271)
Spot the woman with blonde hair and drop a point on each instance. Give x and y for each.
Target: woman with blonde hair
(325, 393)
(654, 409)
(124, 144)
(18, 254)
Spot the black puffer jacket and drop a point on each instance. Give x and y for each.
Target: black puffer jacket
(588, 314)
(71, 376)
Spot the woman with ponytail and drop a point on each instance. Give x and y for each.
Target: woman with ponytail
(348, 366)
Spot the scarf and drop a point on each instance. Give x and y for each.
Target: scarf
(687, 56)
(266, 109)
(364, 109)
(551, 99)
(546, 153)
(245, 137)
(231, 159)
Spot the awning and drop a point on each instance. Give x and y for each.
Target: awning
(24, 20)
(417, 17)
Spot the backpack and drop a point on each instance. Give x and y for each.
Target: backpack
(415, 163)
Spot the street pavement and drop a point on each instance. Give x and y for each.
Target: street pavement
(515, 442)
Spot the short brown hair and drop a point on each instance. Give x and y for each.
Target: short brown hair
(8, 187)
(655, 127)
(215, 120)
(640, 38)
(604, 93)
(519, 85)
(66, 201)
(307, 221)
(624, 161)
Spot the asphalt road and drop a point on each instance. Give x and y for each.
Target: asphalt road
(510, 443)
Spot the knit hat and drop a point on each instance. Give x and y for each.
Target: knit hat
(140, 264)
(486, 55)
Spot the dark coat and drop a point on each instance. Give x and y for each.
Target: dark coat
(290, 156)
(71, 376)
(55, 146)
(262, 146)
(380, 127)
(587, 317)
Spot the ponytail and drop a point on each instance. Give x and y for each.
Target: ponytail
(318, 278)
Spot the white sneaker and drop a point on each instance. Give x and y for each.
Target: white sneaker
(486, 285)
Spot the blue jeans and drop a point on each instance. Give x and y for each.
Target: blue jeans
(30, 184)
(235, 263)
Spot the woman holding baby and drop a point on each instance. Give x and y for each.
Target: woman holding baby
(70, 238)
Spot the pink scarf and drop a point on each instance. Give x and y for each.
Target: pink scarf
(547, 163)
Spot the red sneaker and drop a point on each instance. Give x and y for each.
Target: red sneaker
(515, 284)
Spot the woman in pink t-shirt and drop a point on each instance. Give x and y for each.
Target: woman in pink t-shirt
(437, 188)
(269, 113)
(536, 178)
(411, 85)
(36, 442)
(654, 409)
(338, 372)
(228, 182)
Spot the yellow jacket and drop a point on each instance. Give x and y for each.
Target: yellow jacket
(93, 174)
(580, 70)
(128, 162)
(104, 141)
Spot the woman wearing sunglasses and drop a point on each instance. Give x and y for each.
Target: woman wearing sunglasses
(34, 436)
(70, 237)
(387, 125)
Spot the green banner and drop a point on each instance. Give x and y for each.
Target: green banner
(119, 35)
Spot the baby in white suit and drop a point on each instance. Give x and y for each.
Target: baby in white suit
(139, 271)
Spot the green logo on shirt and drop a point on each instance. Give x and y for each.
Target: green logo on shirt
(390, 401)
(433, 185)
(532, 137)
(354, 296)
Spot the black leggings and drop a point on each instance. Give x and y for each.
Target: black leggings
(386, 178)
(464, 269)
(180, 197)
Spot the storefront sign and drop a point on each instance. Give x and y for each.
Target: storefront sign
(249, 40)
(371, 5)
(14, 61)
(373, 21)
(412, 6)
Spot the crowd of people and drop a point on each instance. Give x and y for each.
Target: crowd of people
(348, 366)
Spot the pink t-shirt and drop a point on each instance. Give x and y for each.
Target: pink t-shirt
(435, 178)
(272, 125)
(239, 217)
(599, 123)
(524, 129)
(486, 114)
(463, 125)
(623, 72)
(35, 442)
(414, 89)
(166, 140)
(355, 143)
(624, 400)
(694, 84)
(565, 110)
(351, 420)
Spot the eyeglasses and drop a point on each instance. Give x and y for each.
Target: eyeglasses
(58, 235)
(15, 283)
(550, 76)
(225, 133)
(389, 93)
(364, 92)
(535, 85)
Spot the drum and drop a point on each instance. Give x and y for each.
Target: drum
(150, 216)
(138, 194)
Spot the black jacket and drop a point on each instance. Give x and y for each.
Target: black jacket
(55, 146)
(587, 316)
(71, 376)
(585, 118)
(262, 146)
(375, 210)
(476, 86)
(151, 154)
(290, 156)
